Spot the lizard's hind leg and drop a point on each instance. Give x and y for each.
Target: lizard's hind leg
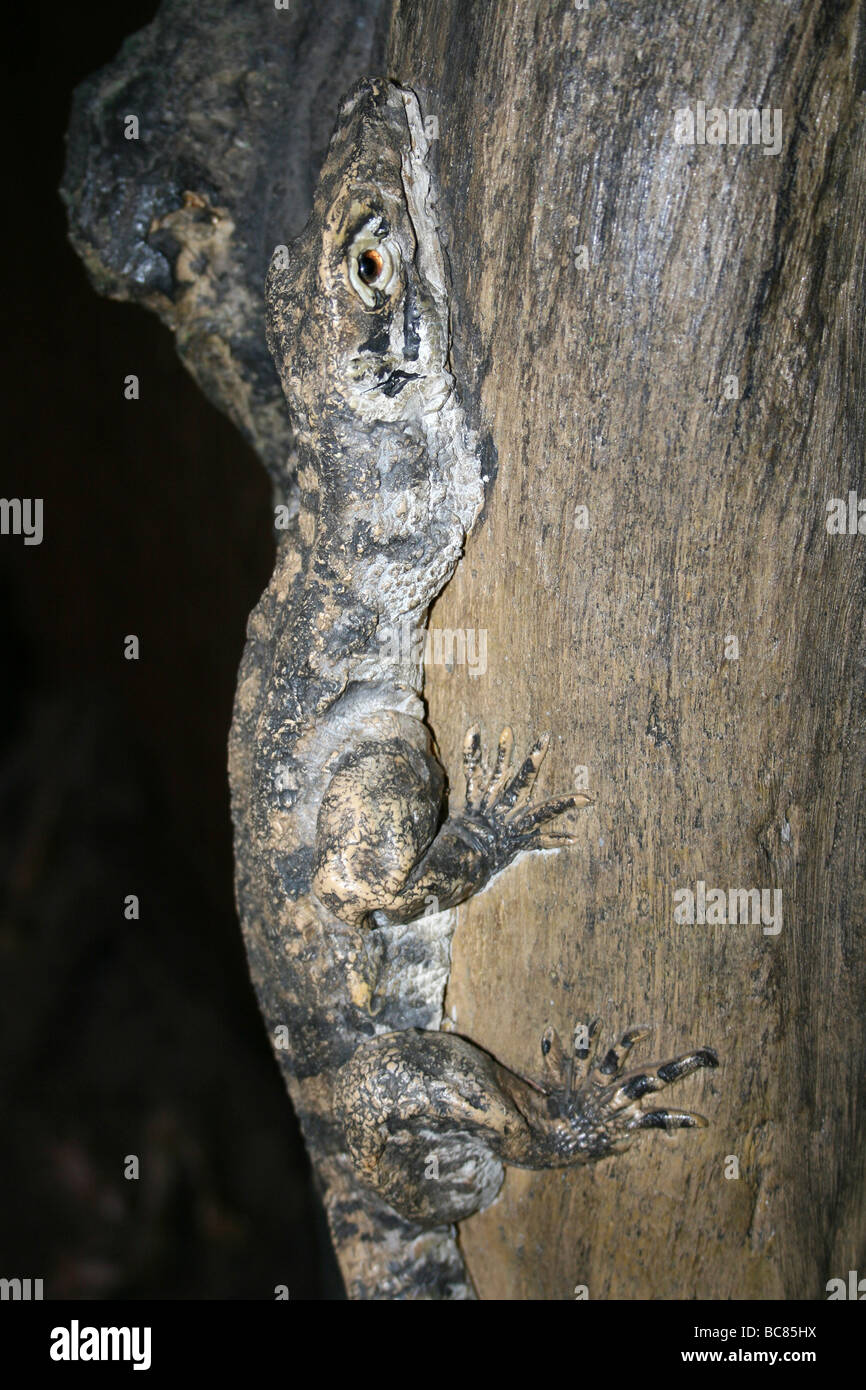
(430, 1118)
(421, 1113)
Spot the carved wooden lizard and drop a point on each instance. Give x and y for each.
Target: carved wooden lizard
(341, 839)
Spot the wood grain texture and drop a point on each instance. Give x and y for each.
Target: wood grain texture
(603, 387)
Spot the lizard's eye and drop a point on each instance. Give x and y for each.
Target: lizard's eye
(372, 263)
(370, 266)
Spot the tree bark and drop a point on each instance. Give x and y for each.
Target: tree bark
(665, 342)
(606, 388)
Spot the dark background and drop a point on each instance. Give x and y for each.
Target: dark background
(122, 1037)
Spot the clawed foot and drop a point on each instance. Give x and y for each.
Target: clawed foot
(496, 801)
(596, 1107)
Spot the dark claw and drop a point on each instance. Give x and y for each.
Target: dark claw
(524, 778)
(472, 764)
(638, 1086)
(551, 809)
(670, 1119)
(610, 1065)
(615, 1059)
(684, 1066)
(516, 785)
(653, 1119)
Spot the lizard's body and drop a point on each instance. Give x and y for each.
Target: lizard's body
(316, 976)
(338, 801)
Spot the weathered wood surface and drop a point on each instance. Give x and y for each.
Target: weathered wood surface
(604, 388)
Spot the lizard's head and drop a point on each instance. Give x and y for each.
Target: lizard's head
(357, 312)
(357, 320)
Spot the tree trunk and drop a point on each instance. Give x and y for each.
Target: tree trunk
(610, 388)
(665, 341)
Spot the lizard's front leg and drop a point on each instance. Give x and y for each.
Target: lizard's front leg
(382, 849)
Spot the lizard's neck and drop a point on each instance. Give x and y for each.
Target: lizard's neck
(385, 525)
(393, 509)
